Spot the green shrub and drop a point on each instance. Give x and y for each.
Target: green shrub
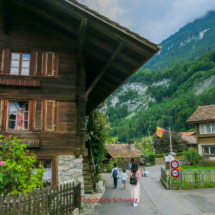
(179, 153)
(110, 166)
(99, 178)
(16, 167)
(192, 155)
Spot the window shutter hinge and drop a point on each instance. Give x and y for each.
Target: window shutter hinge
(54, 125)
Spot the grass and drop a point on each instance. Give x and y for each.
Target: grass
(188, 167)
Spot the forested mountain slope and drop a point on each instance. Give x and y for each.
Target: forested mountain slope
(191, 41)
(166, 99)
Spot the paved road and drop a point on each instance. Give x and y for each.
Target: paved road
(156, 200)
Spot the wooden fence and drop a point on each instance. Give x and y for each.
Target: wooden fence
(189, 179)
(61, 200)
(198, 178)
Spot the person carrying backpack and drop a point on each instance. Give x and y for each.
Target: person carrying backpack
(115, 175)
(134, 176)
(130, 163)
(143, 165)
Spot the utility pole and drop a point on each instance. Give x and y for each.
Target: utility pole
(170, 139)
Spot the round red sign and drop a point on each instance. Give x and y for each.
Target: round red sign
(175, 173)
(175, 164)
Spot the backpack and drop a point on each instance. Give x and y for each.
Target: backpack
(142, 160)
(133, 179)
(129, 165)
(115, 173)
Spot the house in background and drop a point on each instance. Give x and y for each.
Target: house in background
(190, 137)
(124, 150)
(59, 60)
(204, 120)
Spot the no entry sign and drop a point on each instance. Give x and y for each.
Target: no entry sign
(175, 164)
(175, 173)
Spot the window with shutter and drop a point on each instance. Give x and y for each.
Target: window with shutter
(66, 120)
(2, 52)
(50, 64)
(50, 116)
(39, 63)
(38, 115)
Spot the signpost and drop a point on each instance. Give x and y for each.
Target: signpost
(174, 172)
(175, 164)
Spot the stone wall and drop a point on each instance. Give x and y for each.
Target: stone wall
(70, 169)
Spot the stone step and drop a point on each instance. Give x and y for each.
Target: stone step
(88, 177)
(86, 168)
(89, 191)
(88, 186)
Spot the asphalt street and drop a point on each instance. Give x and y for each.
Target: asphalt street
(155, 199)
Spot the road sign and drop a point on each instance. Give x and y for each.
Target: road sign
(175, 173)
(175, 164)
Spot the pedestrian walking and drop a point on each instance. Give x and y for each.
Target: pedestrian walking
(115, 175)
(130, 163)
(143, 166)
(123, 176)
(134, 176)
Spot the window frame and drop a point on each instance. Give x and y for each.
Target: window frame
(20, 62)
(54, 167)
(209, 147)
(7, 117)
(205, 131)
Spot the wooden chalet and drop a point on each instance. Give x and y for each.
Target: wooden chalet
(59, 60)
(204, 121)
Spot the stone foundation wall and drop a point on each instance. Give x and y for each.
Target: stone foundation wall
(70, 169)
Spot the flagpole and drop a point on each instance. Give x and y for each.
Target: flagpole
(151, 142)
(170, 139)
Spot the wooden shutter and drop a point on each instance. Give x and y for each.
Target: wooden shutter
(50, 64)
(40, 57)
(7, 61)
(50, 116)
(2, 53)
(66, 116)
(38, 115)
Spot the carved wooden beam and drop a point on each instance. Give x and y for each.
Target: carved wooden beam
(16, 82)
(81, 39)
(110, 61)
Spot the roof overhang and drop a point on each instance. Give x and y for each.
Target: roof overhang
(111, 52)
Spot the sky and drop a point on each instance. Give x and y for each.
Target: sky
(155, 20)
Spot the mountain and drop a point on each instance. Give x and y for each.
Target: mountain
(170, 87)
(191, 41)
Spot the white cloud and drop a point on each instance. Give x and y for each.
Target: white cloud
(153, 19)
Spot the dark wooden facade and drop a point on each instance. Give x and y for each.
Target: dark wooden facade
(93, 57)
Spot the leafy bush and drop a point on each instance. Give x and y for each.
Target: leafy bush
(17, 167)
(99, 178)
(207, 163)
(192, 155)
(97, 136)
(110, 166)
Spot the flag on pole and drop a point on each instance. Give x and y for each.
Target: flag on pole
(159, 132)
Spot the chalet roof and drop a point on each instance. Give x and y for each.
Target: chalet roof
(188, 133)
(191, 139)
(123, 150)
(111, 53)
(203, 113)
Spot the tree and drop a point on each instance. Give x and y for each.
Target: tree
(162, 145)
(16, 167)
